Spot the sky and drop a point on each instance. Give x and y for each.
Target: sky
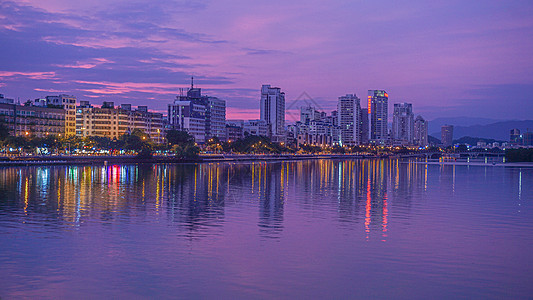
(448, 58)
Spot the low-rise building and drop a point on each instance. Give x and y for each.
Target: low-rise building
(112, 122)
(30, 120)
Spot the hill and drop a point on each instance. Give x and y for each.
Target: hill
(473, 140)
(434, 125)
(497, 131)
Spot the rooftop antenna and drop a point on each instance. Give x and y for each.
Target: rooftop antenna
(192, 82)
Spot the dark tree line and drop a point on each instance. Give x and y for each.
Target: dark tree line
(519, 155)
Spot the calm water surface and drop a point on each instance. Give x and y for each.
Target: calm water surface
(305, 229)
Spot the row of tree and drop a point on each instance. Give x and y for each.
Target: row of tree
(519, 155)
(179, 142)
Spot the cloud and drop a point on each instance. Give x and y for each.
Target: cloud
(430, 53)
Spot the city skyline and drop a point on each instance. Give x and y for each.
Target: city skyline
(446, 57)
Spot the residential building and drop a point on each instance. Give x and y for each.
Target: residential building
(527, 138)
(215, 118)
(66, 102)
(309, 113)
(233, 133)
(272, 107)
(112, 122)
(365, 126)
(446, 133)
(403, 126)
(348, 110)
(378, 102)
(30, 120)
(256, 127)
(203, 117)
(421, 132)
(515, 137)
(6, 100)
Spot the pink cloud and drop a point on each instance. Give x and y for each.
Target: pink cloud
(31, 75)
(234, 113)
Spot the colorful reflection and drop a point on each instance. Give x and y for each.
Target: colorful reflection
(366, 193)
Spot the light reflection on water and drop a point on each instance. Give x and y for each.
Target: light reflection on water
(327, 228)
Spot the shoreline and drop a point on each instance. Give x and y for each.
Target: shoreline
(132, 159)
(104, 160)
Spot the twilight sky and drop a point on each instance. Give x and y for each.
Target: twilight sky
(448, 58)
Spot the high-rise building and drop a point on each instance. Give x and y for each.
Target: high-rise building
(446, 133)
(421, 132)
(365, 126)
(527, 138)
(378, 103)
(348, 110)
(215, 118)
(403, 126)
(515, 136)
(309, 113)
(203, 117)
(273, 110)
(188, 115)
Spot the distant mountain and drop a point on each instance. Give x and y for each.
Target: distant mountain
(497, 131)
(433, 140)
(434, 125)
(473, 140)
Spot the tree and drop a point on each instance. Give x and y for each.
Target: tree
(175, 137)
(137, 141)
(461, 148)
(4, 131)
(182, 144)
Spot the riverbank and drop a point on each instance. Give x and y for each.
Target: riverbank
(132, 159)
(479, 163)
(158, 159)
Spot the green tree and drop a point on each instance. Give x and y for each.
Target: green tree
(4, 130)
(137, 141)
(178, 137)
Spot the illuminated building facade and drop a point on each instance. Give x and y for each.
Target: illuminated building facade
(515, 136)
(378, 103)
(30, 120)
(446, 133)
(112, 122)
(203, 117)
(272, 107)
(365, 126)
(421, 132)
(348, 109)
(403, 126)
(68, 103)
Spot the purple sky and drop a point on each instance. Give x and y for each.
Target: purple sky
(448, 58)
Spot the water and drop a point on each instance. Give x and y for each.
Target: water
(305, 229)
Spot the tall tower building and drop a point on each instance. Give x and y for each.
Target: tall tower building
(446, 134)
(203, 117)
(364, 125)
(421, 132)
(515, 136)
(378, 103)
(403, 126)
(348, 110)
(273, 110)
(309, 113)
